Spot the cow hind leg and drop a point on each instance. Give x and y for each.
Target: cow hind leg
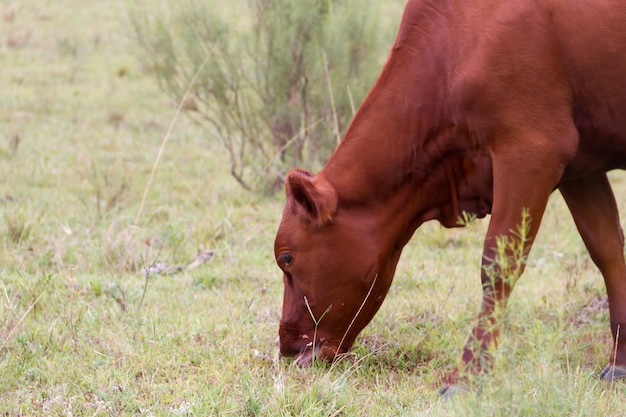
(521, 188)
(593, 207)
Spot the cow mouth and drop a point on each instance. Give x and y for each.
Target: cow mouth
(306, 358)
(321, 351)
(305, 349)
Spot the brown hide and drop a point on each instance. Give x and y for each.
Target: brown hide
(484, 107)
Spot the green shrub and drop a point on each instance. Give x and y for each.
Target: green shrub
(276, 81)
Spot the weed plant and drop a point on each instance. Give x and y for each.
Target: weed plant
(274, 82)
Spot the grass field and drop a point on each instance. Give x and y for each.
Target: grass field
(84, 332)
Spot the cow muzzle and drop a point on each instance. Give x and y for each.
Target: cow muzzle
(319, 350)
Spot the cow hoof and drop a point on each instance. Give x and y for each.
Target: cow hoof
(451, 390)
(613, 372)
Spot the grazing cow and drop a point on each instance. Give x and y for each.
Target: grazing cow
(484, 107)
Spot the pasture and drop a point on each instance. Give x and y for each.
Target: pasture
(85, 331)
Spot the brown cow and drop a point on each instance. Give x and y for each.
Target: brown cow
(485, 107)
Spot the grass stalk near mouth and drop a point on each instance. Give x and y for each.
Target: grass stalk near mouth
(90, 121)
(317, 322)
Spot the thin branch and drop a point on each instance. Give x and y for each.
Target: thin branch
(357, 313)
(166, 139)
(351, 100)
(14, 329)
(617, 331)
(332, 99)
(145, 285)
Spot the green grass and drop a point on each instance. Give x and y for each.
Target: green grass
(82, 332)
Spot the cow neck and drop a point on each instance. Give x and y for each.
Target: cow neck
(403, 186)
(395, 156)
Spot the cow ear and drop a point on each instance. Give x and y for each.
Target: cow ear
(312, 196)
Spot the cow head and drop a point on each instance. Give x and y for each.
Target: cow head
(336, 269)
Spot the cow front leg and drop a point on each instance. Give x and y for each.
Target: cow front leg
(521, 190)
(595, 213)
(504, 260)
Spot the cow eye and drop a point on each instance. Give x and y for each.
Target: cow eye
(285, 259)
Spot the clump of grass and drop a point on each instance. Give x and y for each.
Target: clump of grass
(13, 145)
(124, 248)
(19, 226)
(110, 187)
